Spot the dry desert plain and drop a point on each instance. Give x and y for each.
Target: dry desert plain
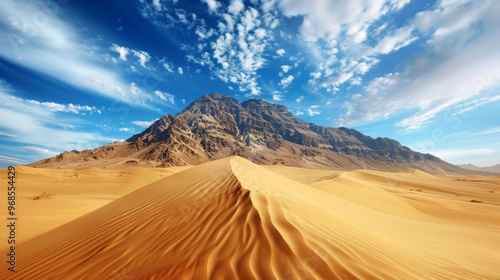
(232, 219)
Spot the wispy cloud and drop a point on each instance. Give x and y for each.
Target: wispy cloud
(165, 96)
(41, 130)
(490, 131)
(8, 134)
(461, 153)
(313, 110)
(40, 151)
(122, 51)
(70, 108)
(339, 31)
(144, 124)
(11, 160)
(285, 82)
(53, 48)
(142, 56)
(458, 67)
(213, 5)
(235, 49)
(277, 96)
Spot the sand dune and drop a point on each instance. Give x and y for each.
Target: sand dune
(232, 219)
(70, 194)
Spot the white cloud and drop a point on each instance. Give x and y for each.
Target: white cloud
(234, 50)
(260, 33)
(40, 151)
(342, 78)
(237, 52)
(470, 105)
(299, 113)
(285, 82)
(7, 134)
(168, 66)
(167, 15)
(316, 75)
(157, 5)
(299, 99)
(451, 18)
(165, 96)
(143, 57)
(457, 67)
(277, 96)
(144, 124)
(313, 110)
(122, 51)
(285, 68)
(180, 71)
(336, 33)
(41, 129)
(12, 160)
(236, 7)
(459, 153)
(54, 48)
(125, 129)
(213, 5)
(70, 108)
(6, 93)
(398, 4)
(281, 52)
(135, 90)
(490, 131)
(401, 38)
(325, 19)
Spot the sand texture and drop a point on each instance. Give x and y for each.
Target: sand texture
(233, 219)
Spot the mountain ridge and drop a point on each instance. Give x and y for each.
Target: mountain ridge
(217, 126)
(490, 169)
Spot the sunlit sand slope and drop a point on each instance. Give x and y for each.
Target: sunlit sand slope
(48, 198)
(232, 219)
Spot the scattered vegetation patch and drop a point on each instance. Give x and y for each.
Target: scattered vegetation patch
(44, 196)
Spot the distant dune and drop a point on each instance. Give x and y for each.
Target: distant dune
(232, 219)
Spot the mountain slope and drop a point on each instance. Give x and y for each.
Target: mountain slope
(216, 126)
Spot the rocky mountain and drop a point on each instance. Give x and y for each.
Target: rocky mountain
(216, 126)
(490, 169)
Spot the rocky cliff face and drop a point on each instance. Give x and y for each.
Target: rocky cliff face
(217, 126)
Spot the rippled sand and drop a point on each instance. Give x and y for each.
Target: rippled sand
(232, 219)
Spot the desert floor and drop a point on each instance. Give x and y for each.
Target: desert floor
(231, 219)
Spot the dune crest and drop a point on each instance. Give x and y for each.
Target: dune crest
(232, 219)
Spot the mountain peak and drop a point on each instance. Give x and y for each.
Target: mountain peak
(215, 96)
(217, 126)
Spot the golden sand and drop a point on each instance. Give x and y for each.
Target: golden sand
(232, 219)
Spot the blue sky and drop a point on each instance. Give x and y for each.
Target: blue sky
(80, 74)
